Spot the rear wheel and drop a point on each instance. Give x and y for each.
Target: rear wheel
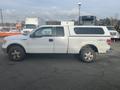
(87, 55)
(16, 53)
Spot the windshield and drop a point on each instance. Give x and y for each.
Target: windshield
(30, 26)
(110, 28)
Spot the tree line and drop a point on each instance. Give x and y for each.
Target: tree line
(110, 22)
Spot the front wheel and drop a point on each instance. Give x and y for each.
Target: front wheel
(87, 55)
(16, 53)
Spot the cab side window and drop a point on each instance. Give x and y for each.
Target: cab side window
(46, 31)
(59, 31)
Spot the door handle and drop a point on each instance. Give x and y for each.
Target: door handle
(50, 40)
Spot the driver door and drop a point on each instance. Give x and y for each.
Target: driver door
(42, 42)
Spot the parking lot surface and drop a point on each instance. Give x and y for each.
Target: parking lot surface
(61, 72)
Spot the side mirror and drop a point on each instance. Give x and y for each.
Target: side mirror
(32, 36)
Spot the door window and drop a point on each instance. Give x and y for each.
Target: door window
(46, 31)
(50, 31)
(59, 31)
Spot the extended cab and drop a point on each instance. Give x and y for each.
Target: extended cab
(84, 41)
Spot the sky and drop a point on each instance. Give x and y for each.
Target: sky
(17, 10)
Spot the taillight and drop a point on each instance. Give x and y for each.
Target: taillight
(109, 41)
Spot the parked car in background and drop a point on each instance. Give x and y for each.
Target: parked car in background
(114, 34)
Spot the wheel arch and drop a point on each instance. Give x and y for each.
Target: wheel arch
(93, 47)
(15, 44)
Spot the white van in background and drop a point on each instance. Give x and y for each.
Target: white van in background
(114, 34)
(30, 24)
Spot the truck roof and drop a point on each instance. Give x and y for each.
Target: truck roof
(68, 25)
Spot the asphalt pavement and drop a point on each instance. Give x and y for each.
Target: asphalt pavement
(61, 72)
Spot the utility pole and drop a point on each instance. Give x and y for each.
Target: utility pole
(79, 18)
(1, 13)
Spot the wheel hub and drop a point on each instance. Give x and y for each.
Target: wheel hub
(15, 54)
(88, 56)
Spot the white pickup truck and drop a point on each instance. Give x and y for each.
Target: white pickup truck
(84, 41)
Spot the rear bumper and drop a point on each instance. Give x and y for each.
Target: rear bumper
(109, 51)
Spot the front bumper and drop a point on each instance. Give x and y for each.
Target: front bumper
(4, 50)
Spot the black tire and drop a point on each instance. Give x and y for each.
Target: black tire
(16, 53)
(87, 55)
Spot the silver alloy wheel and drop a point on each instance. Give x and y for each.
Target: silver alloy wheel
(15, 54)
(88, 56)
